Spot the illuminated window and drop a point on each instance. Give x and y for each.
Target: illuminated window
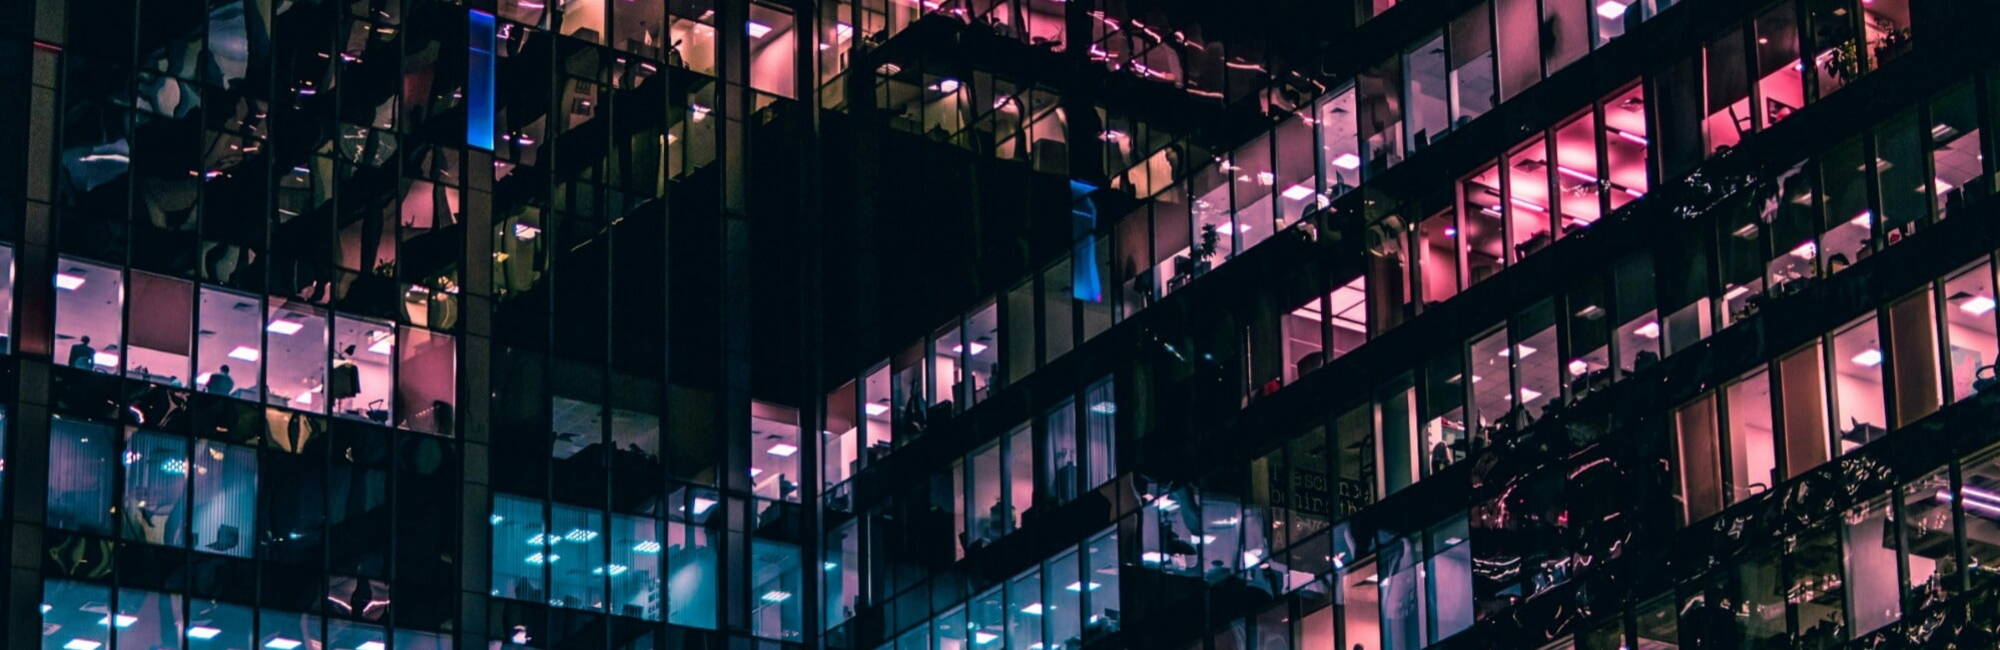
(89, 298)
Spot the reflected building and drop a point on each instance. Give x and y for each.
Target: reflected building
(983, 324)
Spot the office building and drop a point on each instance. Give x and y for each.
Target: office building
(982, 324)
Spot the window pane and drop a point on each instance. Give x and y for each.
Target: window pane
(1857, 385)
(1874, 599)
(947, 362)
(1058, 326)
(1020, 347)
(81, 482)
(225, 625)
(70, 612)
(1728, 110)
(773, 45)
(774, 578)
(912, 407)
(575, 557)
(1101, 586)
(1340, 143)
(287, 630)
(225, 497)
(1491, 382)
(1753, 460)
(89, 299)
(1537, 362)
(297, 368)
(1527, 204)
(162, 318)
(987, 619)
(876, 409)
(982, 358)
(839, 457)
(1444, 440)
(231, 343)
(1426, 70)
(1381, 115)
(1779, 77)
(1448, 578)
(842, 565)
(1847, 221)
(518, 548)
(774, 451)
(1100, 434)
(1615, 18)
(1520, 51)
(1485, 239)
(1020, 445)
(1024, 610)
(1361, 607)
(1059, 424)
(1577, 173)
(1913, 346)
(156, 483)
(691, 576)
(1437, 256)
(1625, 145)
(948, 631)
(1955, 155)
(1899, 168)
(1700, 475)
(359, 385)
(426, 381)
(147, 620)
(1401, 594)
(1250, 196)
(1302, 332)
(1803, 392)
(1888, 28)
(1395, 420)
(6, 298)
(1471, 45)
(986, 507)
(1930, 533)
(1969, 329)
(1065, 586)
(1565, 32)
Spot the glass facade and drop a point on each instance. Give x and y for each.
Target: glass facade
(981, 324)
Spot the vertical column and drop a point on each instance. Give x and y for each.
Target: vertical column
(812, 406)
(27, 488)
(733, 104)
(476, 341)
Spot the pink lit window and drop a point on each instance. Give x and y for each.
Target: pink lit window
(1625, 142)
(1528, 202)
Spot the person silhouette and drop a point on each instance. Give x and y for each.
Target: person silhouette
(81, 355)
(221, 383)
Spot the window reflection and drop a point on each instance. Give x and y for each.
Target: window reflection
(156, 475)
(81, 483)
